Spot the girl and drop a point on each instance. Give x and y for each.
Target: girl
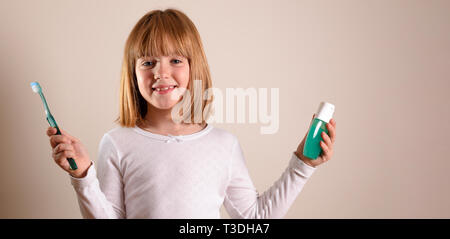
(153, 166)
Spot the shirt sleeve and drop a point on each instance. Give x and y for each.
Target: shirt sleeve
(242, 199)
(100, 193)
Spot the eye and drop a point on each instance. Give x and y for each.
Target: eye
(176, 61)
(147, 63)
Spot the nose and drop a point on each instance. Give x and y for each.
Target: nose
(161, 70)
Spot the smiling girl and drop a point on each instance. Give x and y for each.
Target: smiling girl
(152, 166)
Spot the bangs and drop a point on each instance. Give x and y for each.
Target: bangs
(161, 35)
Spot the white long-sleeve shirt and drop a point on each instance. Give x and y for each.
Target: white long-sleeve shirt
(145, 175)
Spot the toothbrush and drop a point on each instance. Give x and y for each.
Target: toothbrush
(37, 88)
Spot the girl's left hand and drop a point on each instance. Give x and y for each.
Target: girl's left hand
(326, 145)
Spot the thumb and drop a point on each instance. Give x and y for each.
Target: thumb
(51, 131)
(304, 138)
(310, 123)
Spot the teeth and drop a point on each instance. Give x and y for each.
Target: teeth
(165, 88)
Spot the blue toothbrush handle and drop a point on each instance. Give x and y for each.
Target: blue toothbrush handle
(73, 165)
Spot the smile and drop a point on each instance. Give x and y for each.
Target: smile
(164, 90)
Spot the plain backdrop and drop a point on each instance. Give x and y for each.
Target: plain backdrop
(384, 64)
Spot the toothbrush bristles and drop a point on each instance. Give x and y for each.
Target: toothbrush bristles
(35, 87)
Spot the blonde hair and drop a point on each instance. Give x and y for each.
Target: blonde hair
(168, 32)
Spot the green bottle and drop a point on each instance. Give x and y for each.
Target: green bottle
(312, 148)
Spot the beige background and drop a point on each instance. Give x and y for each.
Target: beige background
(384, 64)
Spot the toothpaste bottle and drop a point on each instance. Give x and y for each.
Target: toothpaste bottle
(312, 147)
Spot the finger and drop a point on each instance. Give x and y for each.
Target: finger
(326, 150)
(51, 131)
(61, 160)
(333, 122)
(57, 139)
(327, 140)
(62, 147)
(332, 132)
(61, 157)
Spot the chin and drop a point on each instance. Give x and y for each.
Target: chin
(164, 106)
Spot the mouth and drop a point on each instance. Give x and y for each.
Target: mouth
(164, 89)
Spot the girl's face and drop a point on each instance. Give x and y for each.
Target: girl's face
(162, 80)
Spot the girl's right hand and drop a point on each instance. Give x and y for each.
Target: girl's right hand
(66, 146)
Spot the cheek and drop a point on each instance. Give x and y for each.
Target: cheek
(142, 83)
(182, 76)
(142, 78)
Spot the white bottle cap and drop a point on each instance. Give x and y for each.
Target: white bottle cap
(325, 111)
